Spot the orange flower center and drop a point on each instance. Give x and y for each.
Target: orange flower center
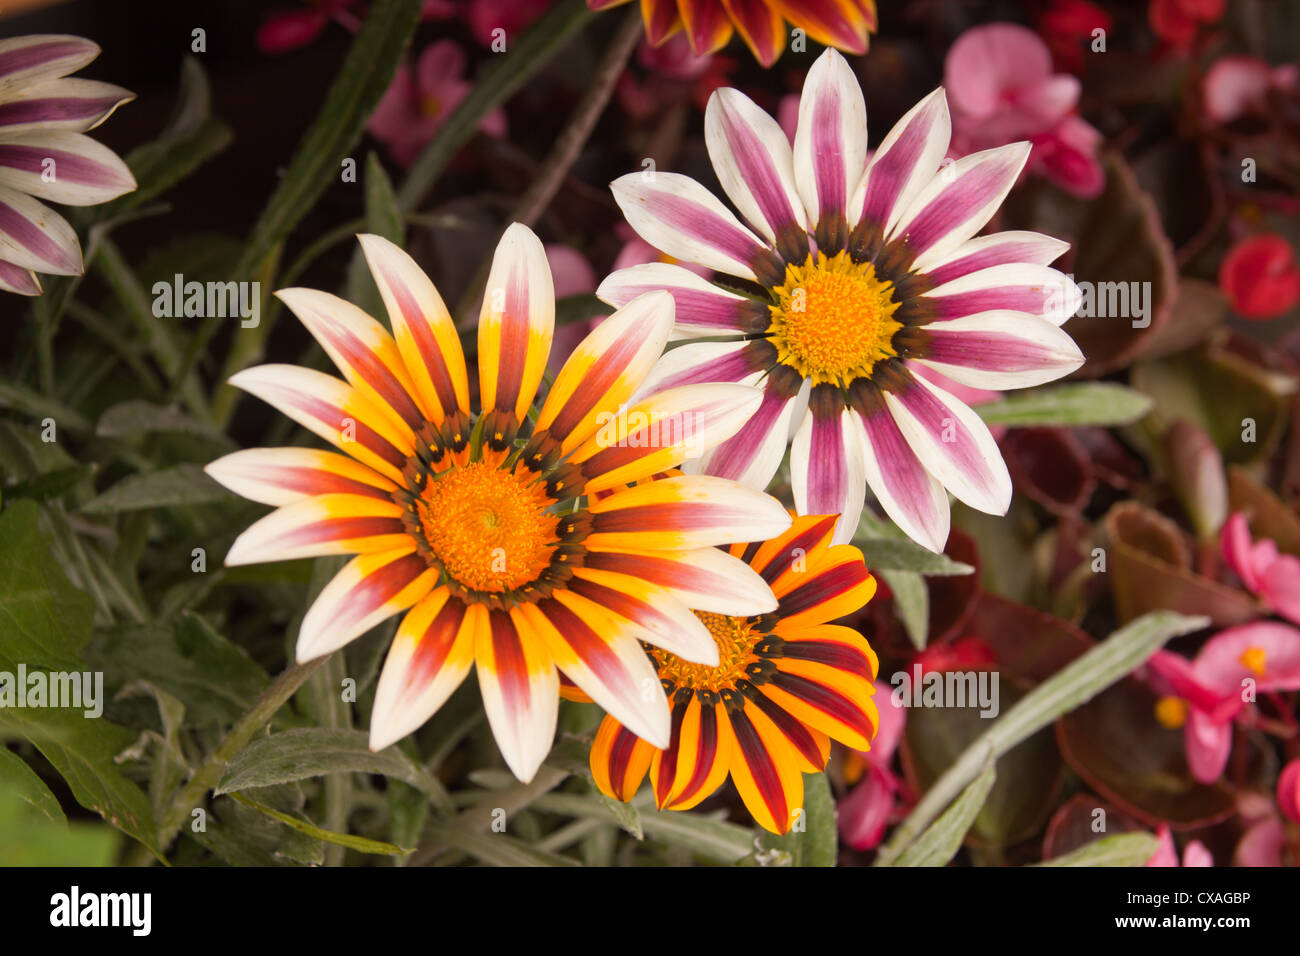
(488, 527)
(1171, 712)
(1254, 659)
(833, 319)
(735, 639)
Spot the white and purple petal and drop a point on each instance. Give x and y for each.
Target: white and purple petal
(697, 363)
(1000, 248)
(957, 202)
(953, 444)
(999, 350)
(830, 146)
(751, 156)
(911, 497)
(677, 215)
(63, 167)
(28, 60)
(69, 103)
(1040, 291)
(827, 473)
(753, 454)
(702, 308)
(903, 163)
(35, 237)
(16, 279)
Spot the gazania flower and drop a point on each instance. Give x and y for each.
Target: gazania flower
(516, 542)
(709, 24)
(852, 274)
(786, 684)
(44, 155)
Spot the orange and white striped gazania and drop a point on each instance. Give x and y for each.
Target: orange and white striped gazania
(787, 683)
(709, 24)
(524, 549)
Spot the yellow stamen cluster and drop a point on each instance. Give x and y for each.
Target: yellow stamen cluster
(488, 526)
(833, 319)
(735, 640)
(1254, 659)
(1171, 712)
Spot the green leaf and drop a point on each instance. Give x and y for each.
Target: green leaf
(360, 844)
(499, 849)
(912, 602)
(53, 485)
(316, 751)
(44, 620)
(24, 456)
(813, 840)
(1083, 403)
(506, 74)
(22, 399)
(911, 597)
(20, 781)
(899, 555)
(83, 751)
(29, 836)
(941, 841)
(190, 139)
(1074, 684)
(712, 839)
(1121, 849)
(136, 417)
(317, 163)
(579, 308)
(184, 484)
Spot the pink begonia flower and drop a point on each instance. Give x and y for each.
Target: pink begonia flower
(1001, 89)
(1194, 854)
(1262, 656)
(1273, 577)
(1236, 85)
(672, 72)
(1176, 22)
(419, 100)
(286, 30)
(863, 815)
(1288, 791)
(1261, 844)
(1067, 28)
(1265, 838)
(513, 16)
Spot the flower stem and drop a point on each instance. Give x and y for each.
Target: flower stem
(568, 144)
(206, 777)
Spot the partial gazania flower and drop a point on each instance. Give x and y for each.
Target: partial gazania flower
(709, 24)
(517, 543)
(44, 154)
(788, 682)
(853, 272)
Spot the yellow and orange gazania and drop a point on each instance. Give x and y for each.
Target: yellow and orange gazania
(523, 541)
(709, 24)
(786, 684)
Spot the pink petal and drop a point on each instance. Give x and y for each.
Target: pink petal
(1208, 744)
(1237, 551)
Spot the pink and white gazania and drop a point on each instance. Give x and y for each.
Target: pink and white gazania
(44, 154)
(849, 275)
